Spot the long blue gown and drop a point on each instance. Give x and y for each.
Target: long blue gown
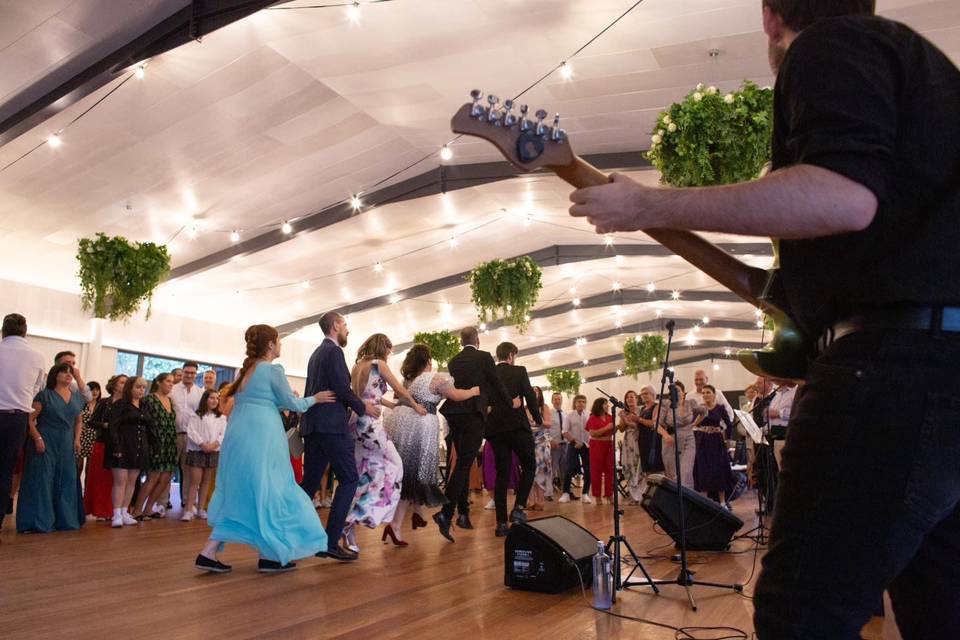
(257, 500)
(50, 498)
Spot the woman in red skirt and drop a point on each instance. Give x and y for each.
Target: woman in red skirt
(98, 486)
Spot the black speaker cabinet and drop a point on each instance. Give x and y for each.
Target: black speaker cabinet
(540, 555)
(709, 526)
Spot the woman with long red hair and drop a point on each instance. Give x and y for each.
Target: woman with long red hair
(257, 501)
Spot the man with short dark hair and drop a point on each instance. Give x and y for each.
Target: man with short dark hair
(469, 368)
(558, 446)
(327, 438)
(508, 431)
(22, 376)
(177, 375)
(185, 397)
(865, 197)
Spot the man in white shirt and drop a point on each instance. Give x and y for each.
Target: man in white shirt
(779, 414)
(22, 375)
(700, 379)
(578, 455)
(185, 397)
(70, 358)
(558, 446)
(210, 380)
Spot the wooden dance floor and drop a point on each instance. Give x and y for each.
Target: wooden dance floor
(139, 582)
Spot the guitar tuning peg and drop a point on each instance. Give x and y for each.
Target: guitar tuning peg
(556, 133)
(492, 115)
(508, 118)
(477, 110)
(524, 123)
(541, 128)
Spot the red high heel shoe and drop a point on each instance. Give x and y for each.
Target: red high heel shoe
(388, 531)
(418, 522)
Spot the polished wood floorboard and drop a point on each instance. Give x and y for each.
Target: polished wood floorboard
(139, 582)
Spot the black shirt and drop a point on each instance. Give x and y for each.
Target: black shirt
(874, 101)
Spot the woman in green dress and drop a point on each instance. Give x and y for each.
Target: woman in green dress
(162, 433)
(50, 497)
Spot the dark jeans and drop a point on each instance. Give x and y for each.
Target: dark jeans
(466, 431)
(577, 459)
(13, 432)
(337, 450)
(519, 441)
(869, 493)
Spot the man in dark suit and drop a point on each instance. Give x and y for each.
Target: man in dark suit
(469, 368)
(508, 431)
(326, 435)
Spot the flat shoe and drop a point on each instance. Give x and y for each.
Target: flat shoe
(203, 563)
(272, 566)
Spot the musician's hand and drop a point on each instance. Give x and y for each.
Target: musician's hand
(622, 205)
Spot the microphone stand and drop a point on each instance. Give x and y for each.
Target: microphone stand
(685, 577)
(618, 540)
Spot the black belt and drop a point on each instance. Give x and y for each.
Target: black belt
(13, 412)
(907, 318)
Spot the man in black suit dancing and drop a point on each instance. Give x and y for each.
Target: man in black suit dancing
(508, 430)
(469, 368)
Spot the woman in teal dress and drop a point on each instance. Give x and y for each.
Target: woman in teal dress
(50, 498)
(257, 500)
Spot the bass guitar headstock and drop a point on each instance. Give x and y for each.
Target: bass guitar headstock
(527, 144)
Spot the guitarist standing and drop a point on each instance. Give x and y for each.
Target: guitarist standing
(865, 197)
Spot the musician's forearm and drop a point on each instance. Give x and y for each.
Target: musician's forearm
(803, 201)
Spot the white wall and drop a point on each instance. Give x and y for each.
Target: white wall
(55, 322)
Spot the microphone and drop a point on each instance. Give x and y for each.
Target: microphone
(670, 325)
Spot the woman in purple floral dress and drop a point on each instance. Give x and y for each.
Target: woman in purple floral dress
(378, 463)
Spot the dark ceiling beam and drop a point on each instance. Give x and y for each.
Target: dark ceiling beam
(600, 377)
(679, 348)
(192, 22)
(432, 182)
(550, 257)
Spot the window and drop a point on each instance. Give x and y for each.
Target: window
(150, 366)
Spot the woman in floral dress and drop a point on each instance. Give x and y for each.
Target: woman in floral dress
(88, 432)
(378, 463)
(630, 451)
(543, 477)
(161, 423)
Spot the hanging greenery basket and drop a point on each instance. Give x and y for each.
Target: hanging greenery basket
(117, 275)
(712, 139)
(645, 354)
(443, 345)
(506, 289)
(564, 380)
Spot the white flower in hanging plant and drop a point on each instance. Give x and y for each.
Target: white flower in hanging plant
(700, 86)
(672, 127)
(661, 133)
(667, 119)
(729, 99)
(711, 90)
(697, 97)
(656, 139)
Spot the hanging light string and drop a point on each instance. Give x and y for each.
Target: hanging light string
(56, 134)
(327, 6)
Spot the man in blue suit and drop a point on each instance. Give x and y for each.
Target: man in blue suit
(326, 434)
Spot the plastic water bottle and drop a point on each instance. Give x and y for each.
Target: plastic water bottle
(602, 579)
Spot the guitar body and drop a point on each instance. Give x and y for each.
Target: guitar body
(532, 145)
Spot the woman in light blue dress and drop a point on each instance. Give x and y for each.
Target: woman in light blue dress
(50, 490)
(257, 500)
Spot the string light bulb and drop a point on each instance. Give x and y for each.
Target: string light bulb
(286, 228)
(305, 284)
(617, 286)
(618, 323)
(651, 287)
(581, 341)
(446, 153)
(675, 295)
(394, 299)
(54, 140)
(453, 242)
(619, 372)
(140, 72)
(192, 231)
(757, 312)
(576, 302)
(483, 326)
(378, 267)
(659, 313)
(355, 203)
(566, 71)
(706, 319)
(716, 367)
(234, 236)
(586, 362)
(727, 352)
(353, 12)
(759, 324)
(608, 239)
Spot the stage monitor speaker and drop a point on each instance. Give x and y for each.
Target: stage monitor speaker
(710, 527)
(544, 554)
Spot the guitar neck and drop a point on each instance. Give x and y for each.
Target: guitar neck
(743, 280)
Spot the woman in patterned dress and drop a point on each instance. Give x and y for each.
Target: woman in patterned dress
(543, 478)
(378, 464)
(88, 432)
(630, 451)
(161, 420)
(417, 437)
